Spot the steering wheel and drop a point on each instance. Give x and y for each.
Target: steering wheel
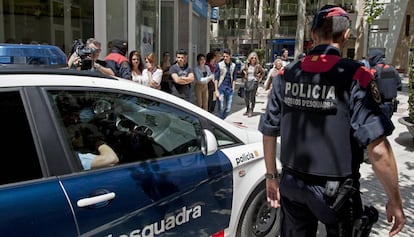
(101, 106)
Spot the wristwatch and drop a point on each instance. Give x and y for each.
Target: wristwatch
(271, 176)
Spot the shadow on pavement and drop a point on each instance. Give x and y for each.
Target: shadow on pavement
(406, 140)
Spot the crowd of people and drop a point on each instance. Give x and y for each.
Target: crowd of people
(210, 83)
(206, 84)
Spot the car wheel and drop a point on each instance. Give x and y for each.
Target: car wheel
(258, 219)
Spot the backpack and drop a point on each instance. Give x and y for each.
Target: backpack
(387, 81)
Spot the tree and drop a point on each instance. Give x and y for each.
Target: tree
(411, 87)
(271, 21)
(372, 10)
(300, 31)
(270, 16)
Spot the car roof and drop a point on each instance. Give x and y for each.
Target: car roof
(19, 69)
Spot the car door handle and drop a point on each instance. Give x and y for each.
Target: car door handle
(84, 202)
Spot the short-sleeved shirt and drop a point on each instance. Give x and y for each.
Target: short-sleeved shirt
(326, 109)
(86, 160)
(182, 91)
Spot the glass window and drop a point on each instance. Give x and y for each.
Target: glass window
(135, 128)
(19, 157)
(117, 19)
(56, 22)
(380, 26)
(223, 139)
(146, 20)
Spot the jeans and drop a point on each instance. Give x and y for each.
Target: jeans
(224, 102)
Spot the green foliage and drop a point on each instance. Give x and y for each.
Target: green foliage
(373, 9)
(260, 54)
(411, 88)
(269, 10)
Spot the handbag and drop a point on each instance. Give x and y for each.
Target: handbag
(250, 85)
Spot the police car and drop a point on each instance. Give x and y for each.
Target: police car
(181, 172)
(31, 55)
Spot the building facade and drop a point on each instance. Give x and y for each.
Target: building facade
(244, 25)
(148, 25)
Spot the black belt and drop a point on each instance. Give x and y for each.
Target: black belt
(307, 178)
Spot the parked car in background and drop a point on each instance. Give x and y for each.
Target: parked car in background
(239, 66)
(32, 54)
(182, 171)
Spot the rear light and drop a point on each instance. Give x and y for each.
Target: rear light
(219, 234)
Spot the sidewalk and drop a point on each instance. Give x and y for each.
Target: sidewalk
(372, 192)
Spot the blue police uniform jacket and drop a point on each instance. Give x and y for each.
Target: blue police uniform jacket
(326, 110)
(119, 64)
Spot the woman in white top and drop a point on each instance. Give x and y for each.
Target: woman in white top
(277, 66)
(136, 64)
(152, 74)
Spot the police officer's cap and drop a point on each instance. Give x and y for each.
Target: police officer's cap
(120, 45)
(328, 11)
(375, 53)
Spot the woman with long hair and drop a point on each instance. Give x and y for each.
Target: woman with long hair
(253, 73)
(136, 65)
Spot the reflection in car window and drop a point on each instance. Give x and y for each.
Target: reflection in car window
(20, 161)
(135, 128)
(222, 138)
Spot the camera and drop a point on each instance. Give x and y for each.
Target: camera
(84, 53)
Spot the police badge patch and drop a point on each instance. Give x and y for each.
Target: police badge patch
(125, 64)
(375, 92)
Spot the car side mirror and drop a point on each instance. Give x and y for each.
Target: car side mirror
(208, 143)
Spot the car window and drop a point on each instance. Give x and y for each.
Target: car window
(223, 139)
(19, 158)
(135, 128)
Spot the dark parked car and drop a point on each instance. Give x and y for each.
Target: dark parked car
(239, 66)
(32, 54)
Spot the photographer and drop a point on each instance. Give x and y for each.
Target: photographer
(86, 57)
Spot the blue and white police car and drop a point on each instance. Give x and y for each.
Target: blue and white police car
(181, 171)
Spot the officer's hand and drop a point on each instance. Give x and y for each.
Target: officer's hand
(272, 191)
(395, 213)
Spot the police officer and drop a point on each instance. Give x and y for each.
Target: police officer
(325, 110)
(117, 60)
(388, 80)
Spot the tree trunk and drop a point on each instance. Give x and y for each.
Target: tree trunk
(300, 31)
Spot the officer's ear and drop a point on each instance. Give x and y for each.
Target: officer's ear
(346, 34)
(314, 37)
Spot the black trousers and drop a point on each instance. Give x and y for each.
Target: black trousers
(211, 102)
(250, 99)
(303, 205)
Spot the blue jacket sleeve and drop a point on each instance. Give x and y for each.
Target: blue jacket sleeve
(367, 120)
(269, 123)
